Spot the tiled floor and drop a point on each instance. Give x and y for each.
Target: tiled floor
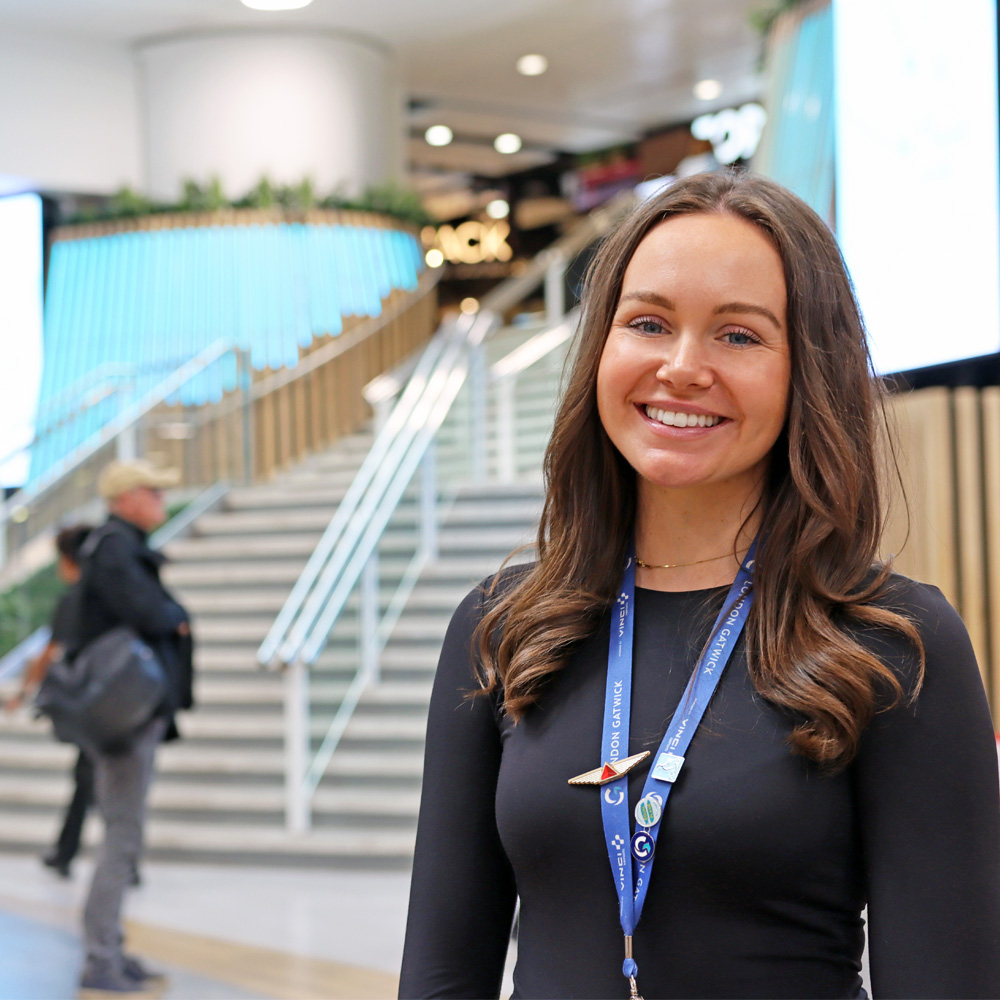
(220, 932)
(40, 961)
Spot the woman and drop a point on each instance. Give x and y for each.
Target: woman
(720, 393)
(69, 541)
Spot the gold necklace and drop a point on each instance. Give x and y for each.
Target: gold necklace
(697, 562)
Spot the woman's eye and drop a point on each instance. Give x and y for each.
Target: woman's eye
(741, 338)
(647, 324)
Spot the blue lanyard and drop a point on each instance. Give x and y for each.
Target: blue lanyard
(670, 756)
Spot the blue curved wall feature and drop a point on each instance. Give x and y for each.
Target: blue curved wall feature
(124, 311)
(797, 146)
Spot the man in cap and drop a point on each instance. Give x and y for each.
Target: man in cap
(120, 585)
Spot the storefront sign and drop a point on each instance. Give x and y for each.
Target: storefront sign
(471, 242)
(734, 133)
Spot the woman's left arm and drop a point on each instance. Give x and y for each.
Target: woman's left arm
(929, 808)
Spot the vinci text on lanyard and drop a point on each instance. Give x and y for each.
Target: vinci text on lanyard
(669, 757)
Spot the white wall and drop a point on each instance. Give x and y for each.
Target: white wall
(69, 114)
(286, 104)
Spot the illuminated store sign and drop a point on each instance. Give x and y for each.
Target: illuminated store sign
(734, 133)
(470, 242)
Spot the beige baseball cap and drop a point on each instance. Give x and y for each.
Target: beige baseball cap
(120, 477)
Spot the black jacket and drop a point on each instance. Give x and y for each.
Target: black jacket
(121, 584)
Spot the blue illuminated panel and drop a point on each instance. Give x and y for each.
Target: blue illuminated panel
(124, 311)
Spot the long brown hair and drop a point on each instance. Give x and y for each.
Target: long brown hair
(816, 577)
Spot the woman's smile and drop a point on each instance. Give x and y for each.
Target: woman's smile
(669, 415)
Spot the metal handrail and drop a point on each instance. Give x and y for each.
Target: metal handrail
(71, 399)
(374, 461)
(75, 390)
(354, 558)
(371, 519)
(347, 552)
(535, 348)
(292, 630)
(13, 662)
(121, 424)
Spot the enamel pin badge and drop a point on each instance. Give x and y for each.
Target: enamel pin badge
(608, 772)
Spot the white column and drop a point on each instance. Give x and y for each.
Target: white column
(286, 104)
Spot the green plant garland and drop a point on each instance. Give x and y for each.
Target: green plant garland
(763, 19)
(387, 199)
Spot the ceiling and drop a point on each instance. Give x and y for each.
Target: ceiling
(616, 67)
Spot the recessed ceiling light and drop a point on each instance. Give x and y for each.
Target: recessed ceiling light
(498, 209)
(276, 4)
(507, 143)
(469, 305)
(438, 135)
(532, 65)
(707, 90)
(434, 257)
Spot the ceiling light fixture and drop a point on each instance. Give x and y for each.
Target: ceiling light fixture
(276, 4)
(507, 143)
(469, 306)
(439, 135)
(434, 257)
(707, 90)
(498, 209)
(532, 65)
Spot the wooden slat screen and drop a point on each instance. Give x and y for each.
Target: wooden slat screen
(948, 533)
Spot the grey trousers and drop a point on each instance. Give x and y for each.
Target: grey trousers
(121, 784)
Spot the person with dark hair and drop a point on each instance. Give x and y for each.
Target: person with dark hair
(68, 544)
(709, 681)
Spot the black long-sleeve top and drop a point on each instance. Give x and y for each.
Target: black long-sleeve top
(763, 863)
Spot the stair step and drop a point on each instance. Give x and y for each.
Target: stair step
(269, 690)
(236, 843)
(250, 572)
(53, 791)
(390, 728)
(314, 521)
(283, 546)
(185, 758)
(221, 660)
(220, 792)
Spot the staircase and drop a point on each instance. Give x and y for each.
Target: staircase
(219, 794)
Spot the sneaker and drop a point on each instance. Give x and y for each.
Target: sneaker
(135, 969)
(104, 985)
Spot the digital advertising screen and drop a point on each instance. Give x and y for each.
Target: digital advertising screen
(21, 262)
(917, 178)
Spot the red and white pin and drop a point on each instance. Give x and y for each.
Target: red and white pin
(608, 772)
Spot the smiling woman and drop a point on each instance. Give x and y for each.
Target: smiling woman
(710, 535)
(692, 387)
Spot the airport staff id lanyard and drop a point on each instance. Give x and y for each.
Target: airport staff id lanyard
(670, 755)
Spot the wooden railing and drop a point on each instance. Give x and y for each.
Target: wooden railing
(279, 417)
(949, 532)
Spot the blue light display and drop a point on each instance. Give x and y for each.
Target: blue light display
(123, 311)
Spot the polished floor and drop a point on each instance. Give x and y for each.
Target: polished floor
(218, 931)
